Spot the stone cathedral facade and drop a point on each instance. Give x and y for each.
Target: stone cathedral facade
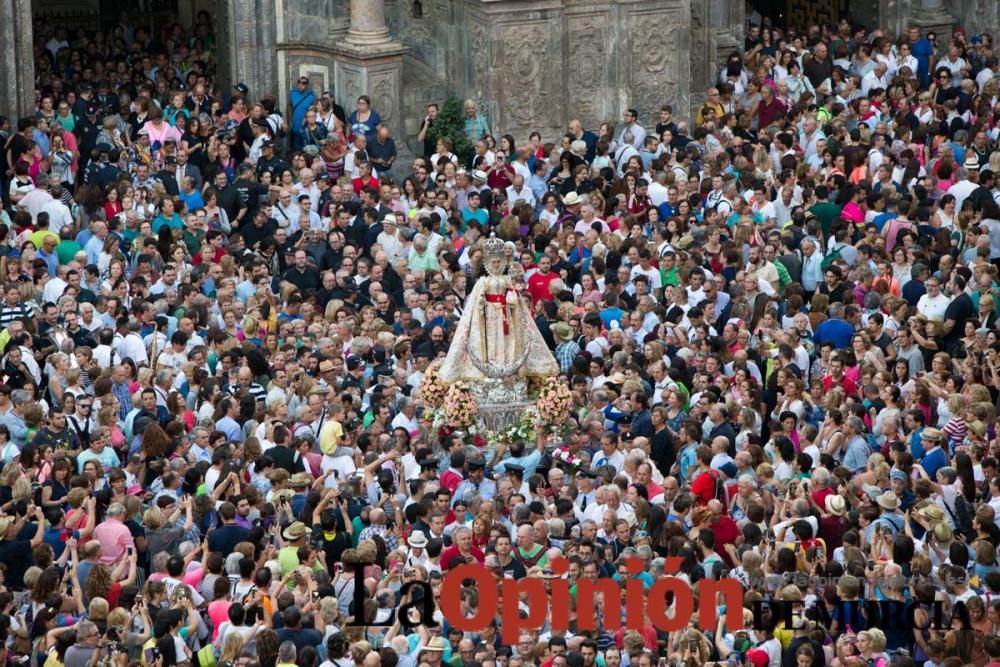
(532, 64)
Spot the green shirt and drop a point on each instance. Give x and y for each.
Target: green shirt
(66, 251)
(826, 212)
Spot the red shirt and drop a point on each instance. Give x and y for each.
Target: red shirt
(703, 487)
(820, 496)
(726, 532)
(451, 552)
(450, 480)
(538, 286)
(844, 382)
(360, 183)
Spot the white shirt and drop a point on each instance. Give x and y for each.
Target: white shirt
(54, 289)
(132, 347)
(59, 215)
(525, 194)
(871, 81)
(961, 190)
(933, 308)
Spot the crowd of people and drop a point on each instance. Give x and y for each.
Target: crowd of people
(777, 317)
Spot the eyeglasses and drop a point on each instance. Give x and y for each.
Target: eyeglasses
(303, 82)
(84, 406)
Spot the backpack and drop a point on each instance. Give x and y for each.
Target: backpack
(961, 514)
(828, 261)
(719, 491)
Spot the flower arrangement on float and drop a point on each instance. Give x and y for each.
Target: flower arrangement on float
(432, 390)
(459, 407)
(553, 403)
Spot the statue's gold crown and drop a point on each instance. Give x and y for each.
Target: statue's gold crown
(494, 247)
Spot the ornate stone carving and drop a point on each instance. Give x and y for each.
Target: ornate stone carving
(525, 82)
(352, 86)
(586, 67)
(479, 53)
(384, 96)
(656, 72)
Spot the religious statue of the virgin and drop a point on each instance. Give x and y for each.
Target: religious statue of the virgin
(496, 336)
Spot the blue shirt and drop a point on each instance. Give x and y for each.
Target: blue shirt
(51, 261)
(856, 457)
(529, 462)
(193, 200)
(229, 426)
(367, 127)
(933, 461)
(610, 315)
(834, 331)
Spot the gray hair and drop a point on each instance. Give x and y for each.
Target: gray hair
(856, 424)
(85, 629)
(19, 396)
(160, 559)
(286, 652)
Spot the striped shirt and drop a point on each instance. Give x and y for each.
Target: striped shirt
(10, 313)
(258, 392)
(124, 396)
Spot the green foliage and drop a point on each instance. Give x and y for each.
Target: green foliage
(450, 122)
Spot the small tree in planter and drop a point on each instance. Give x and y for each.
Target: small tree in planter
(450, 123)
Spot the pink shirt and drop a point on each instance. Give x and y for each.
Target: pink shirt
(114, 537)
(218, 611)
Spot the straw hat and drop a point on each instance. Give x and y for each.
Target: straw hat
(932, 514)
(888, 501)
(835, 505)
(296, 531)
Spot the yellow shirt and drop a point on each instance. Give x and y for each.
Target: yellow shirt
(330, 436)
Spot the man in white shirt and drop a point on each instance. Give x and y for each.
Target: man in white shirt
(59, 214)
(132, 346)
(874, 79)
(520, 164)
(518, 191)
(55, 287)
(934, 303)
(657, 191)
(987, 73)
(35, 201)
(286, 212)
(967, 182)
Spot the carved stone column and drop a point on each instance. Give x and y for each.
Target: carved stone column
(17, 70)
(933, 16)
(368, 26)
(370, 62)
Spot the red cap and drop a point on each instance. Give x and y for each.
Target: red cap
(758, 657)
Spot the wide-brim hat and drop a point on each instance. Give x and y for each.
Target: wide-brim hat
(325, 365)
(617, 378)
(888, 501)
(300, 480)
(931, 433)
(972, 162)
(835, 505)
(296, 531)
(932, 513)
(562, 331)
(417, 540)
(433, 644)
(571, 199)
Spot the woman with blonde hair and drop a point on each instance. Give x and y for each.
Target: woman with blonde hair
(232, 646)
